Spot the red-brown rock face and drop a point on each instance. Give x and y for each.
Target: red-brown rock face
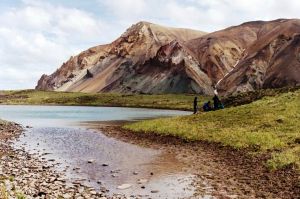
(271, 61)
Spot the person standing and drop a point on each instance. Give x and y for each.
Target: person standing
(216, 102)
(195, 105)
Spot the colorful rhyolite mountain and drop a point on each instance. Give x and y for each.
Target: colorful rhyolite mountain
(150, 58)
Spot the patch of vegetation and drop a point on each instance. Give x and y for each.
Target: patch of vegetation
(20, 196)
(3, 192)
(285, 158)
(267, 125)
(164, 101)
(11, 178)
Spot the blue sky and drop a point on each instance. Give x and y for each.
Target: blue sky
(37, 36)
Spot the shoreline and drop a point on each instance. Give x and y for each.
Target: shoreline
(155, 101)
(24, 175)
(104, 106)
(232, 173)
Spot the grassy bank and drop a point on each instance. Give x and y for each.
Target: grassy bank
(33, 97)
(267, 125)
(163, 101)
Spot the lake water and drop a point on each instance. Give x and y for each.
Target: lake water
(58, 134)
(54, 116)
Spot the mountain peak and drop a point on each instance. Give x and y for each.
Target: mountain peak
(150, 58)
(143, 23)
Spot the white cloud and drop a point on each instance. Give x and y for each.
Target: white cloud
(37, 36)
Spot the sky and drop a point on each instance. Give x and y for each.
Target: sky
(37, 36)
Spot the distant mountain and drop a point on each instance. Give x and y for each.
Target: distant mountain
(150, 58)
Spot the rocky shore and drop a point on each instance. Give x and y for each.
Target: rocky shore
(26, 176)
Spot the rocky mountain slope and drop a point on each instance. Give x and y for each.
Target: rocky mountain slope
(147, 58)
(150, 58)
(272, 61)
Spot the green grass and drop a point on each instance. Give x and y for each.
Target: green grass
(165, 101)
(267, 125)
(287, 157)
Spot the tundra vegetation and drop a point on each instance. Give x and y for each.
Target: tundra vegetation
(163, 101)
(269, 125)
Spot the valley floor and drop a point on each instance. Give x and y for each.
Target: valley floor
(248, 151)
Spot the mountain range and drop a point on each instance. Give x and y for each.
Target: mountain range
(149, 58)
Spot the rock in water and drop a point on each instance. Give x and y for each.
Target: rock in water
(135, 173)
(142, 181)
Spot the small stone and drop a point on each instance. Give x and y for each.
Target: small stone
(91, 161)
(104, 165)
(135, 173)
(67, 196)
(142, 181)
(93, 192)
(154, 191)
(124, 186)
